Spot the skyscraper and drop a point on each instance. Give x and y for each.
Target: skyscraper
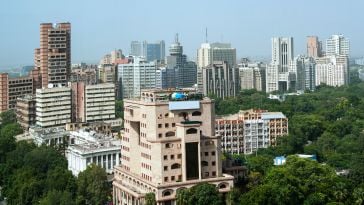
(337, 45)
(136, 48)
(154, 51)
(332, 70)
(282, 52)
(210, 52)
(53, 58)
(314, 47)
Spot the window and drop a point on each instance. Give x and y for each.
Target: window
(213, 153)
(166, 179)
(206, 154)
(191, 131)
(196, 113)
(206, 174)
(172, 178)
(204, 163)
(168, 145)
(166, 115)
(166, 125)
(173, 124)
(172, 156)
(165, 157)
(165, 168)
(179, 156)
(213, 163)
(175, 166)
(179, 177)
(170, 134)
(160, 135)
(159, 125)
(213, 173)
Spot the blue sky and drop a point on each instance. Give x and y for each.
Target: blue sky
(98, 26)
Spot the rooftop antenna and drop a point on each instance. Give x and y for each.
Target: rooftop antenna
(176, 38)
(206, 35)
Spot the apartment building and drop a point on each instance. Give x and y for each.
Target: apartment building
(249, 130)
(169, 144)
(25, 111)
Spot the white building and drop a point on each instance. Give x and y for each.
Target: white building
(337, 45)
(210, 52)
(136, 76)
(52, 136)
(53, 106)
(100, 102)
(332, 71)
(252, 76)
(87, 147)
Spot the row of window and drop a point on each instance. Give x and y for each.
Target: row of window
(149, 178)
(173, 178)
(173, 166)
(166, 125)
(146, 166)
(206, 163)
(125, 158)
(179, 156)
(145, 145)
(146, 156)
(125, 148)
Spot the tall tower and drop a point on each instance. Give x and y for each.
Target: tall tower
(282, 52)
(53, 58)
(337, 45)
(314, 47)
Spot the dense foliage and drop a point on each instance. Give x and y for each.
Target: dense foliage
(329, 123)
(200, 194)
(39, 175)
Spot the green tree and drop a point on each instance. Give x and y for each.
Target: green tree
(7, 140)
(55, 197)
(150, 199)
(92, 186)
(119, 109)
(200, 194)
(8, 117)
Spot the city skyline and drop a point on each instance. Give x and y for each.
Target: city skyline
(96, 30)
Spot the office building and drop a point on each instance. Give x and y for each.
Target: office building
(53, 106)
(169, 144)
(92, 102)
(305, 69)
(279, 73)
(179, 72)
(211, 52)
(87, 147)
(53, 58)
(86, 74)
(332, 70)
(154, 51)
(314, 47)
(337, 45)
(25, 111)
(12, 88)
(219, 79)
(135, 76)
(136, 48)
(252, 76)
(249, 130)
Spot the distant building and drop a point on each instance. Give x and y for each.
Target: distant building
(52, 136)
(169, 144)
(252, 76)
(135, 76)
(25, 111)
(314, 47)
(332, 71)
(305, 69)
(337, 45)
(12, 88)
(249, 130)
(359, 61)
(53, 106)
(86, 74)
(87, 147)
(113, 58)
(53, 58)
(220, 79)
(154, 51)
(136, 48)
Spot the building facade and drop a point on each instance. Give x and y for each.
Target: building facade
(210, 52)
(220, 79)
(135, 76)
(53, 58)
(25, 111)
(337, 45)
(249, 130)
(332, 71)
(154, 51)
(53, 106)
(167, 145)
(314, 47)
(252, 76)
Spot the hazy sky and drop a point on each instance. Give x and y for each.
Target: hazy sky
(99, 26)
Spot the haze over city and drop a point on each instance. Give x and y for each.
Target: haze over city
(100, 26)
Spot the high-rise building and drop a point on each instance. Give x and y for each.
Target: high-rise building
(219, 79)
(279, 75)
(154, 51)
(179, 72)
(305, 68)
(53, 106)
(210, 52)
(135, 76)
(314, 47)
(53, 58)
(337, 45)
(249, 130)
(252, 76)
(12, 88)
(92, 103)
(136, 48)
(169, 144)
(332, 70)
